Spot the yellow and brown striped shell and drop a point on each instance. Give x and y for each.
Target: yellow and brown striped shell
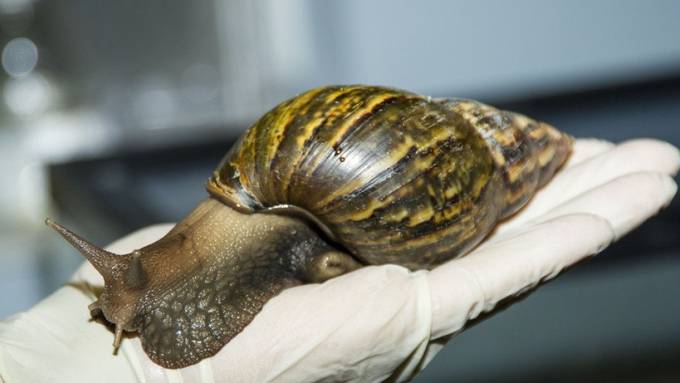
(392, 176)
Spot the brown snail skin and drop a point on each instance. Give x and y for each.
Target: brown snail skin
(326, 182)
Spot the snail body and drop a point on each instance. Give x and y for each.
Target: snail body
(326, 182)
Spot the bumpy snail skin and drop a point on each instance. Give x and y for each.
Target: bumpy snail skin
(327, 181)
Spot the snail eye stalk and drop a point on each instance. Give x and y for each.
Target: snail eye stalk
(104, 261)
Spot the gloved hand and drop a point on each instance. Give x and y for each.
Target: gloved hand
(377, 323)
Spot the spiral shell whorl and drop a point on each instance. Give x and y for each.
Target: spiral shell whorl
(397, 177)
(527, 152)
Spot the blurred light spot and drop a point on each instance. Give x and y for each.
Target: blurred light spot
(200, 83)
(19, 57)
(62, 136)
(29, 95)
(11, 7)
(154, 103)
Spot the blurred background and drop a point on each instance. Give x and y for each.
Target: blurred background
(113, 115)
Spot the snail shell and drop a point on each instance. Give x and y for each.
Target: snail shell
(392, 176)
(328, 181)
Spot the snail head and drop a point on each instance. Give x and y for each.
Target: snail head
(124, 282)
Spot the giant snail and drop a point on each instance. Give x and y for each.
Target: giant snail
(326, 182)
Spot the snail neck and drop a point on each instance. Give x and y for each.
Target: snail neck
(215, 236)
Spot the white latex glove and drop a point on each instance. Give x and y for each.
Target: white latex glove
(377, 323)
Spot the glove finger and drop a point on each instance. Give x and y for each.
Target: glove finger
(464, 288)
(625, 202)
(630, 157)
(585, 148)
